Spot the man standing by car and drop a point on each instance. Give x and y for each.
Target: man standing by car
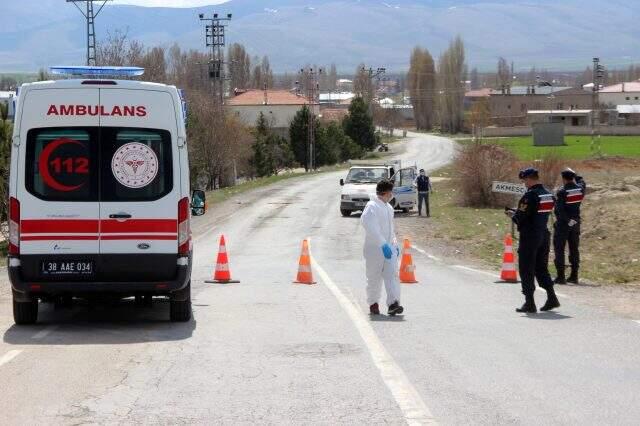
(423, 183)
(567, 226)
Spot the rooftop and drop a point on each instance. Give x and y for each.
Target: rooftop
(561, 112)
(542, 90)
(628, 109)
(633, 86)
(274, 97)
(479, 93)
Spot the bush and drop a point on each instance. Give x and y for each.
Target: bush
(476, 167)
(549, 168)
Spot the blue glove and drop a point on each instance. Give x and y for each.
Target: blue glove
(386, 250)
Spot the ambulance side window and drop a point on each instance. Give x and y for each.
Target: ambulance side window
(136, 164)
(62, 164)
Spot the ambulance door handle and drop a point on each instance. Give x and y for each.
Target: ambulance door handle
(120, 216)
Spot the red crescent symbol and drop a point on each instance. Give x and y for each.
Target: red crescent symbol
(43, 165)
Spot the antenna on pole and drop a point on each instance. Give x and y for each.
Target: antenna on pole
(90, 15)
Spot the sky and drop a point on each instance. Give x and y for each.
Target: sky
(170, 3)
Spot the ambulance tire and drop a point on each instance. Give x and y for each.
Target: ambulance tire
(25, 313)
(180, 310)
(345, 213)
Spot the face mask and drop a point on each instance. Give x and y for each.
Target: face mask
(421, 173)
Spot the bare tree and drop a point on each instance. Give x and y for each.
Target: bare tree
(452, 73)
(504, 75)
(239, 67)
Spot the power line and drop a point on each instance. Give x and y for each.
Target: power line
(90, 15)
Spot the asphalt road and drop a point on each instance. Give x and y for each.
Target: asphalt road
(267, 351)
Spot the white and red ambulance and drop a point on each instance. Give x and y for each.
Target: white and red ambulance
(99, 192)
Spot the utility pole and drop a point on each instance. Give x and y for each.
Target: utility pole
(372, 74)
(215, 38)
(90, 15)
(313, 92)
(598, 75)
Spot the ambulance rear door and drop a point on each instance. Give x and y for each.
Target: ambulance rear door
(140, 184)
(57, 183)
(404, 192)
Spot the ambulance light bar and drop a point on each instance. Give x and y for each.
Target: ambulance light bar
(99, 71)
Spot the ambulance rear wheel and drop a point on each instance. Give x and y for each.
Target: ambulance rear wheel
(25, 313)
(180, 310)
(345, 213)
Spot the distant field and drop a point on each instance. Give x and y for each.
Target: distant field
(576, 148)
(20, 77)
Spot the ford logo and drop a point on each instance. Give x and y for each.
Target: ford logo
(143, 246)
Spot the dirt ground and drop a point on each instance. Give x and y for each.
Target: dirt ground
(610, 240)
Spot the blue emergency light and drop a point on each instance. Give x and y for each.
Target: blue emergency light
(81, 70)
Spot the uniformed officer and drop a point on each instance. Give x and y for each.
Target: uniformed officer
(531, 217)
(567, 226)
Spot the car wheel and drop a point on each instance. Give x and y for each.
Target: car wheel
(180, 310)
(345, 213)
(405, 210)
(25, 313)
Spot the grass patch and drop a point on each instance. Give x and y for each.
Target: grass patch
(575, 148)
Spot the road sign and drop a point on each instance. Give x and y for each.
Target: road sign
(508, 188)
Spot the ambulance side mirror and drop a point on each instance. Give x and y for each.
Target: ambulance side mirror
(198, 202)
(341, 182)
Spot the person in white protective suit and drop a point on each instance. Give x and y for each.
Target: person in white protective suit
(381, 250)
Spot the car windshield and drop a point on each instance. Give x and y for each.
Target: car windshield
(366, 175)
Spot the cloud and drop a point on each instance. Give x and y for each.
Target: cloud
(170, 3)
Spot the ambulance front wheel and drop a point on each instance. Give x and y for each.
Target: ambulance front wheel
(180, 305)
(25, 313)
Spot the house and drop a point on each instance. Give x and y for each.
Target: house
(336, 99)
(8, 98)
(278, 106)
(575, 117)
(509, 107)
(628, 114)
(620, 94)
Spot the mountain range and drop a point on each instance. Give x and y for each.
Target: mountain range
(552, 34)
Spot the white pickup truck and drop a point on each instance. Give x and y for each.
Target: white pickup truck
(360, 185)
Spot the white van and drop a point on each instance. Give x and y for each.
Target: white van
(99, 193)
(360, 185)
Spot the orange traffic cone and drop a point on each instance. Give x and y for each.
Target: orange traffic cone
(407, 269)
(508, 273)
(222, 274)
(305, 276)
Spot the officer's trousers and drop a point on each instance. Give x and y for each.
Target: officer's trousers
(563, 234)
(533, 261)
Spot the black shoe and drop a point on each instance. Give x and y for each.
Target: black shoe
(395, 309)
(573, 279)
(560, 280)
(374, 309)
(529, 306)
(552, 303)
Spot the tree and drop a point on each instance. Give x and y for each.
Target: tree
(362, 85)
(475, 79)
(332, 79)
(504, 75)
(239, 67)
(358, 125)
(421, 81)
(271, 153)
(452, 73)
(299, 135)
(479, 118)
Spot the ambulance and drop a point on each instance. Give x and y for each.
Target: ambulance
(99, 192)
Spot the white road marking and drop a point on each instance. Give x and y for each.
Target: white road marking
(564, 296)
(430, 256)
(466, 268)
(407, 397)
(9, 356)
(44, 332)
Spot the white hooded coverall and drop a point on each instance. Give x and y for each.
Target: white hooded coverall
(377, 220)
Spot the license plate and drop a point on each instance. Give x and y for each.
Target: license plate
(67, 267)
(360, 204)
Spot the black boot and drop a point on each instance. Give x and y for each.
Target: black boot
(529, 306)
(552, 301)
(374, 309)
(573, 278)
(395, 309)
(560, 279)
